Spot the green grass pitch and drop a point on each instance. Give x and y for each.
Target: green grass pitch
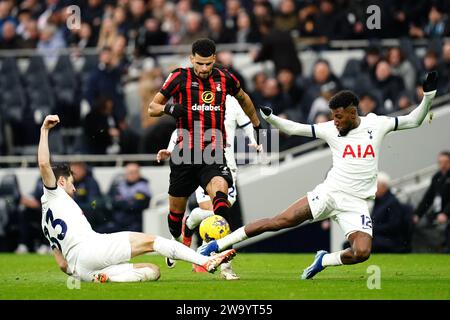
(263, 277)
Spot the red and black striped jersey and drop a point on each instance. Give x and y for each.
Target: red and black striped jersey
(203, 101)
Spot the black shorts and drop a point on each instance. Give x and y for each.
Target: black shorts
(185, 178)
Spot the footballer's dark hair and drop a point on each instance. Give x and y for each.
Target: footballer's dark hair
(204, 47)
(61, 170)
(344, 99)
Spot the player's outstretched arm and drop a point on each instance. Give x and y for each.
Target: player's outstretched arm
(287, 126)
(156, 107)
(48, 178)
(416, 117)
(62, 263)
(248, 107)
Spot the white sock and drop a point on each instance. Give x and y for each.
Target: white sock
(197, 215)
(332, 259)
(177, 251)
(135, 275)
(234, 237)
(226, 267)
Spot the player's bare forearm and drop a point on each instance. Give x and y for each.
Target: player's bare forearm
(62, 263)
(248, 107)
(156, 107)
(48, 178)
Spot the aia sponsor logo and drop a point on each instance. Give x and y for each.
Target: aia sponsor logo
(359, 151)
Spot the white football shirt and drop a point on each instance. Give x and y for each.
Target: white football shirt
(63, 221)
(355, 156)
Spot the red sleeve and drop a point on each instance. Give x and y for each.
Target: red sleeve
(233, 85)
(172, 84)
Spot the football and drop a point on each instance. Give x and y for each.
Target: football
(214, 228)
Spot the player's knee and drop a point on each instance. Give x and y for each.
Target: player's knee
(361, 254)
(150, 273)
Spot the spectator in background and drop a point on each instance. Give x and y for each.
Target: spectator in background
(389, 85)
(5, 15)
(100, 129)
(273, 97)
(436, 27)
(320, 104)
(30, 35)
(108, 33)
(401, 67)
(149, 84)
(217, 32)
(194, 29)
(81, 38)
(322, 117)
(321, 75)
(431, 62)
(278, 47)
(87, 194)
(150, 34)
(225, 58)
(286, 17)
(120, 20)
(405, 100)
(246, 32)
(232, 10)
(119, 55)
(258, 80)
(172, 24)
(370, 61)
(433, 212)
(331, 23)
(290, 87)
(92, 13)
(50, 41)
(10, 39)
(106, 79)
(369, 103)
(31, 237)
(444, 68)
(129, 198)
(392, 221)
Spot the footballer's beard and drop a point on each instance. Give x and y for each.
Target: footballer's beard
(204, 75)
(344, 131)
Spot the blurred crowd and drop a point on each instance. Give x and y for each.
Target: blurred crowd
(92, 98)
(43, 24)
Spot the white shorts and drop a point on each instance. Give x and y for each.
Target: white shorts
(351, 213)
(105, 253)
(202, 196)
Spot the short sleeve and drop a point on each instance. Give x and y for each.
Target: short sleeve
(172, 84)
(387, 124)
(322, 130)
(233, 84)
(51, 193)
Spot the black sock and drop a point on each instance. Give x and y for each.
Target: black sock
(175, 220)
(221, 204)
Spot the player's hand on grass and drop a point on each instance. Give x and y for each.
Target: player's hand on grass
(162, 155)
(173, 109)
(430, 83)
(50, 121)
